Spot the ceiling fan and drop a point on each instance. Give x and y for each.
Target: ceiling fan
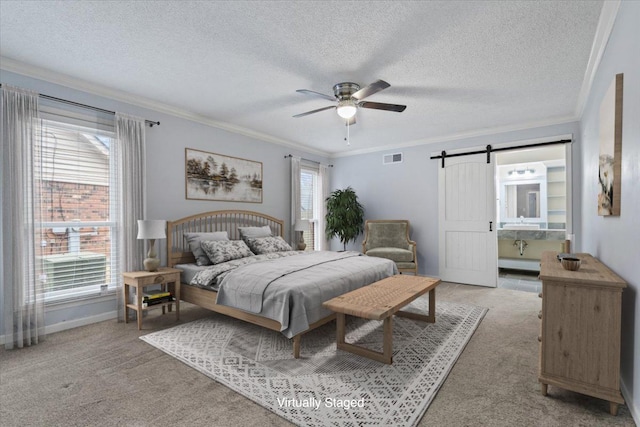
(350, 96)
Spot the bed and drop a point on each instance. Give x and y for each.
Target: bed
(299, 297)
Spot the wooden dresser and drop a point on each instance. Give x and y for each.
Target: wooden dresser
(580, 332)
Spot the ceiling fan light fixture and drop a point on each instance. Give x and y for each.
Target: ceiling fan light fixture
(346, 109)
(350, 99)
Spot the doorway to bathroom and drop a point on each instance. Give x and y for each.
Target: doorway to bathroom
(533, 202)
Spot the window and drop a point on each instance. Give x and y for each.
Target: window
(75, 225)
(308, 203)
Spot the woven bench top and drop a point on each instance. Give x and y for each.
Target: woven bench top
(383, 298)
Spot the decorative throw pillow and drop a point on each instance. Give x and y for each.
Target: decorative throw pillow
(266, 245)
(253, 232)
(194, 239)
(220, 251)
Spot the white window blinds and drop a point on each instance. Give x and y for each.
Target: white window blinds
(76, 223)
(308, 199)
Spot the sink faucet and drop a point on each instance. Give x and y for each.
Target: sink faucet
(521, 244)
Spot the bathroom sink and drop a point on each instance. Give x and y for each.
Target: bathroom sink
(521, 227)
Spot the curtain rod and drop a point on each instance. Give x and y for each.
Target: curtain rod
(288, 156)
(489, 150)
(151, 123)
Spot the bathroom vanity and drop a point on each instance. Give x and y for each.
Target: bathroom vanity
(531, 213)
(523, 249)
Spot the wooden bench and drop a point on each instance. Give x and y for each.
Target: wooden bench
(380, 301)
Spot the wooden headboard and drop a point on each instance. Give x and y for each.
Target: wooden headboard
(178, 251)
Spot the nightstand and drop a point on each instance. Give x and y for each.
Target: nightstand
(140, 279)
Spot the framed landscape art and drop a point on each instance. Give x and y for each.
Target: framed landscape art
(212, 176)
(610, 135)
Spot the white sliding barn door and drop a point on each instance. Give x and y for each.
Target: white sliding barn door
(467, 203)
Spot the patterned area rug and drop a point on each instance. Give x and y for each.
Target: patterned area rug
(327, 387)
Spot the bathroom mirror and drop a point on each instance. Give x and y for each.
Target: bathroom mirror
(523, 194)
(522, 200)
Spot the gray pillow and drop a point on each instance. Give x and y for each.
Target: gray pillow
(266, 245)
(253, 232)
(220, 251)
(194, 239)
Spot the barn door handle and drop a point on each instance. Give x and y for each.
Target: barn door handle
(490, 225)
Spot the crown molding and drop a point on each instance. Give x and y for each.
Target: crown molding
(463, 135)
(11, 65)
(603, 32)
(39, 73)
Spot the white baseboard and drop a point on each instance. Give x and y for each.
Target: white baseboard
(628, 399)
(63, 326)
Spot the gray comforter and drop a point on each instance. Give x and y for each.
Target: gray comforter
(291, 289)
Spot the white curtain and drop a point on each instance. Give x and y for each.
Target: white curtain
(295, 199)
(131, 171)
(22, 293)
(323, 192)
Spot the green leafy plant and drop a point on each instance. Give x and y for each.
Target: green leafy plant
(345, 216)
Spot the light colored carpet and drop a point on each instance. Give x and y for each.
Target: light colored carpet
(327, 386)
(103, 375)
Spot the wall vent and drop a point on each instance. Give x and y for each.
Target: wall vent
(388, 159)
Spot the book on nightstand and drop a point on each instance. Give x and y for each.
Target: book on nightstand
(149, 299)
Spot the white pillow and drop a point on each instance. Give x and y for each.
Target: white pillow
(194, 239)
(254, 232)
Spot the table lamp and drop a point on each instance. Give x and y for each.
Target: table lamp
(301, 225)
(152, 229)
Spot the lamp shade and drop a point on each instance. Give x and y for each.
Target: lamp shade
(301, 225)
(151, 229)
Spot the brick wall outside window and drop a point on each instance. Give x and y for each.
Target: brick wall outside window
(63, 202)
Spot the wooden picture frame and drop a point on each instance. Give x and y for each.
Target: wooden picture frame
(213, 176)
(610, 159)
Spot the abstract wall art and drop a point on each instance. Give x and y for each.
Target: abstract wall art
(610, 136)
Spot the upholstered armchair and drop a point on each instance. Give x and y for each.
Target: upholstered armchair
(390, 239)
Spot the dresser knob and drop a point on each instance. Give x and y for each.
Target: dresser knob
(540, 314)
(540, 295)
(539, 338)
(160, 279)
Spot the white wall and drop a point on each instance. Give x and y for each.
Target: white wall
(165, 175)
(409, 190)
(616, 240)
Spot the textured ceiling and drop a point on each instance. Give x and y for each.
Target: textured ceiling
(460, 67)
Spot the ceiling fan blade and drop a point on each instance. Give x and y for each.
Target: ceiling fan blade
(374, 87)
(381, 106)
(314, 111)
(321, 95)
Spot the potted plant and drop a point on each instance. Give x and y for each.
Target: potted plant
(345, 216)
